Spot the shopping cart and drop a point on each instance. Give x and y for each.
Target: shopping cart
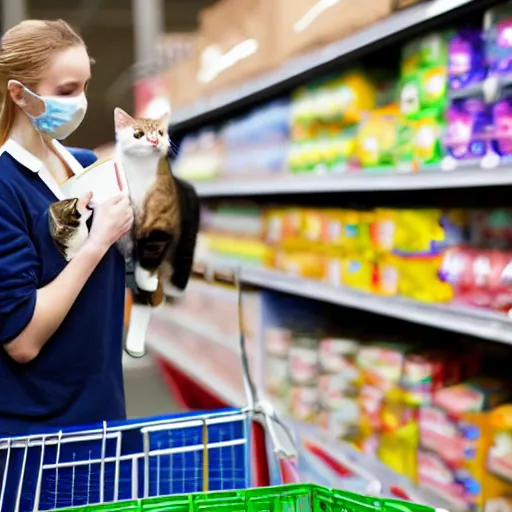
(289, 498)
(115, 462)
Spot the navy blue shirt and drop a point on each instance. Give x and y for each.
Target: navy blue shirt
(77, 377)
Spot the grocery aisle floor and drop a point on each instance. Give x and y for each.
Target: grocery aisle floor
(146, 393)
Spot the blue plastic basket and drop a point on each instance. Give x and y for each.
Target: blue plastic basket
(123, 461)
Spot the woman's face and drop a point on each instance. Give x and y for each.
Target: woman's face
(68, 74)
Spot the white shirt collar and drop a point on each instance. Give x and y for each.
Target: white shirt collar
(33, 163)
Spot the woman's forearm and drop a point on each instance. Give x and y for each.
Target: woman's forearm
(54, 302)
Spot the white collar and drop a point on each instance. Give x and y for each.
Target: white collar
(33, 163)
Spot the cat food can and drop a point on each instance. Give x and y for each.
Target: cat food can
(304, 361)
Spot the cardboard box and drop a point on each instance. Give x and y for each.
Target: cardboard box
(236, 42)
(305, 24)
(181, 82)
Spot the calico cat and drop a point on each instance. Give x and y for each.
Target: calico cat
(68, 226)
(166, 220)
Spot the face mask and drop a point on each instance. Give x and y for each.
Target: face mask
(62, 114)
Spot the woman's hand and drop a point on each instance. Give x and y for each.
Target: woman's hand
(112, 219)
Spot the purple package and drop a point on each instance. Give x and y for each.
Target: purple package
(469, 124)
(466, 59)
(499, 47)
(502, 115)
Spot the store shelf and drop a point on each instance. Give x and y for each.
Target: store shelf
(193, 325)
(476, 322)
(361, 465)
(295, 70)
(468, 177)
(160, 345)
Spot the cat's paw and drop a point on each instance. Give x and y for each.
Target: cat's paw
(146, 280)
(68, 226)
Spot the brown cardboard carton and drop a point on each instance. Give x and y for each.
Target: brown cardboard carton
(220, 16)
(239, 49)
(181, 82)
(305, 24)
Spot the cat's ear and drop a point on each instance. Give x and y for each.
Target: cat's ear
(164, 120)
(122, 119)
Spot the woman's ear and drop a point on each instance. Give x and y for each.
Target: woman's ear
(27, 101)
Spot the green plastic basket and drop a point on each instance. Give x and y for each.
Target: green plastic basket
(286, 498)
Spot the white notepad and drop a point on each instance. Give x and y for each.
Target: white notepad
(104, 179)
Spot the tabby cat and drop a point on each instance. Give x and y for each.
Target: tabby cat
(166, 211)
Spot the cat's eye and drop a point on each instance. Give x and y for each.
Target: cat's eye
(138, 134)
(161, 132)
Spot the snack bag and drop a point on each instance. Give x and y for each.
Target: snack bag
(433, 88)
(377, 138)
(466, 59)
(419, 279)
(469, 123)
(426, 144)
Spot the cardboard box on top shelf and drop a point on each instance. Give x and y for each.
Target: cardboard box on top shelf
(235, 42)
(306, 24)
(181, 82)
(220, 15)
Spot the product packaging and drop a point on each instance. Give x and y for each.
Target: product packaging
(499, 459)
(497, 24)
(455, 437)
(469, 128)
(466, 59)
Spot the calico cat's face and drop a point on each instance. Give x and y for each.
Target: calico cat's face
(141, 137)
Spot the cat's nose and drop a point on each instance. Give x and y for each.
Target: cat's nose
(153, 141)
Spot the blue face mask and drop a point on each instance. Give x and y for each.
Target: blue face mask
(62, 114)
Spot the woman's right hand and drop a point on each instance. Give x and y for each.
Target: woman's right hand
(112, 219)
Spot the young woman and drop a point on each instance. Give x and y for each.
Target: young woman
(61, 324)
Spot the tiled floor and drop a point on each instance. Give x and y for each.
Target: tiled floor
(146, 393)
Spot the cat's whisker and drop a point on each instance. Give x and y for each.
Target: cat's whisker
(173, 148)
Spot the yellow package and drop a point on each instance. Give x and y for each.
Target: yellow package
(398, 441)
(354, 94)
(499, 458)
(357, 232)
(333, 268)
(300, 264)
(417, 231)
(419, 280)
(314, 226)
(388, 275)
(377, 138)
(245, 249)
(357, 272)
(273, 226)
(334, 227)
(293, 222)
(384, 230)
